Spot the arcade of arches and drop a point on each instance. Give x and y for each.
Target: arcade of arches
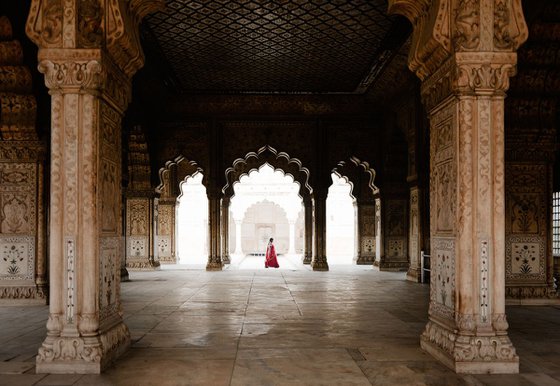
(141, 94)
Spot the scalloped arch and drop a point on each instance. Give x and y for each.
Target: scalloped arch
(175, 171)
(278, 160)
(360, 176)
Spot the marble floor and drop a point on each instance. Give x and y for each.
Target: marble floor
(349, 326)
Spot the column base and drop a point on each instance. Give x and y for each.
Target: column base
(124, 275)
(82, 355)
(226, 259)
(470, 354)
(142, 264)
(365, 260)
(307, 259)
(214, 266)
(414, 275)
(319, 265)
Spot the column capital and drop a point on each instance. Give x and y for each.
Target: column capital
(445, 27)
(111, 25)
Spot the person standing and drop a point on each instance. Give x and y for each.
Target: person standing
(270, 259)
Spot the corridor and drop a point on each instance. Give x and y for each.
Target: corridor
(350, 326)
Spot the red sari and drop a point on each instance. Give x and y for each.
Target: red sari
(271, 260)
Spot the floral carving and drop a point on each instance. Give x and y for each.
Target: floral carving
(467, 24)
(15, 215)
(90, 17)
(81, 74)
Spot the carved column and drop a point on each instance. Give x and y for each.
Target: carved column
(465, 65)
(319, 262)
(214, 239)
(365, 232)
(308, 229)
(414, 235)
(23, 274)
(140, 233)
(225, 230)
(394, 251)
(166, 231)
(378, 232)
(88, 69)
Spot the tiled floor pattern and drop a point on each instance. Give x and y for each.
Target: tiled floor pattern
(349, 326)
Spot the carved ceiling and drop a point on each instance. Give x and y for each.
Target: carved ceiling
(274, 46)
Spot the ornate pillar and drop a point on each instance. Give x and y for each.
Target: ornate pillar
(88, 69)
(166, 224)
(140, 233)
(319, 262)
(365, 242)
(414, 235)
(308, 229)
(465, 65)
(23, 274)
(378, 232)
(225, 230)
(394, 251)
(214, 239)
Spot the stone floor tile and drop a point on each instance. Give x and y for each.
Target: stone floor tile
(59, 380)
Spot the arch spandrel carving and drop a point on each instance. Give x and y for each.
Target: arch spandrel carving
(278, 160)
(173, 173)
(361, 178)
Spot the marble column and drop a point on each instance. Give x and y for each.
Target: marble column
(166, 240)
(140, 231)
(414, 236)
(225, 230)
(88, 73)
(394, 251)
(365, 225)
(214, 239)
(378, 233)
(465, 67)
(308, 230)
(319, 261)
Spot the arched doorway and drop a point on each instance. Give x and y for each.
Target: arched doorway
(266, 204)
(192, 222)
(341, 222)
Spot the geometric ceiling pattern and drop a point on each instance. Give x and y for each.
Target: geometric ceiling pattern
(278, 46)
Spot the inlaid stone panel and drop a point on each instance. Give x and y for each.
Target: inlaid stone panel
(17, 258)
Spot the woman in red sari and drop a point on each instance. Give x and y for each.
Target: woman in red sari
(271, 260)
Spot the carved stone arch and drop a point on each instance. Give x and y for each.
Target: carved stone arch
(360, 176)
(173, 173)
(278, 160)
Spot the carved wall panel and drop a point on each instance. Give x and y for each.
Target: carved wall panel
(138, 216)
(394, 223)
(17, 258)
(527, 225)
(109, 277)
(20, 228)
(137, 247)
(166, 232)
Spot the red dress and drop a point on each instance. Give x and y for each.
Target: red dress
(271, 260)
